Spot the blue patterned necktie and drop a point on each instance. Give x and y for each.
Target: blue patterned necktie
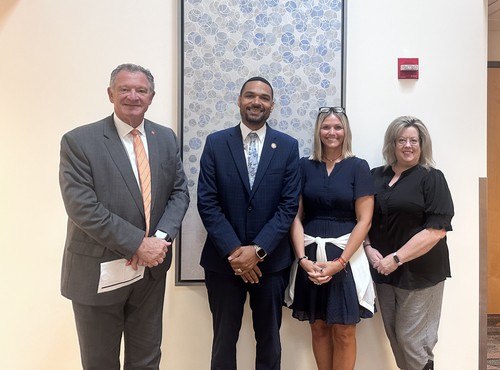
(253, 157)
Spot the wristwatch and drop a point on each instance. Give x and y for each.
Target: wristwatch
(261, 253)
(163, 235)
(396, 259)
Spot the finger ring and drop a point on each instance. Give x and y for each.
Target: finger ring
(238, 270)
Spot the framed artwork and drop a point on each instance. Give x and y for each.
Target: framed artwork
(297, 45)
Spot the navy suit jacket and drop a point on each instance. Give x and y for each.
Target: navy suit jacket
(235, 215)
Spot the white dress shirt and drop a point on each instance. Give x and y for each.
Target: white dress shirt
(125, 134)
(127, 139)
(261, 133)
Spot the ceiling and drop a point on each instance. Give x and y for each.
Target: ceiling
(494, 15)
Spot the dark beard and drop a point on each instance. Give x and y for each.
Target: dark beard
(256, 122)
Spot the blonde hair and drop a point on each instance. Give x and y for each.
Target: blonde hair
(317, 152)
(394, 131)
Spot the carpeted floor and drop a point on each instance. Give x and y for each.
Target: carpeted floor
(493, 342)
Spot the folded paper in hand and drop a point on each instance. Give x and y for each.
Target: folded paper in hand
(117, 274)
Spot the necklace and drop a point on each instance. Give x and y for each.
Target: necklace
(332, 160)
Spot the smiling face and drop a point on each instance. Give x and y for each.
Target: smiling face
(256, 104)
(331, 134)
(408, 147)
(131, 95)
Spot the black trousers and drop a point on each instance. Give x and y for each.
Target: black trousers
(227, 295)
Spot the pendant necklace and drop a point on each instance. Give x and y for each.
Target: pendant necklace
(332, 160)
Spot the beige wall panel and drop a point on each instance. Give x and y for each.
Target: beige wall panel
(493, 190)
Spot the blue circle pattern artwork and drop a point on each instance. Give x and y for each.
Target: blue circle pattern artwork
(296, 45)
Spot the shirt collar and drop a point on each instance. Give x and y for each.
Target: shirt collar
(261, 132)
(125, 129)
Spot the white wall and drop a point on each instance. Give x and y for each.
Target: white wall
(55, 59)
(449, 38)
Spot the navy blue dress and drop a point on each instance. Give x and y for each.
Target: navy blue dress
(329, 212)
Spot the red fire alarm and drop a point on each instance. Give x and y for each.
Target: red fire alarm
(408, 68)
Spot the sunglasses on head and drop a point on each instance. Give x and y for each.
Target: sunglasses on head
(331, 109)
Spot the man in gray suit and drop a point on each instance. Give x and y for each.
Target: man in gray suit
(102, 189)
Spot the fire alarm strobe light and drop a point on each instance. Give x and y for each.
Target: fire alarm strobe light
(408, 68)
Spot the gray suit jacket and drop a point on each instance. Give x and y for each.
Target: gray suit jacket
(104, 204)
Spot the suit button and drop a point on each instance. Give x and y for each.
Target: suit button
(250, 208)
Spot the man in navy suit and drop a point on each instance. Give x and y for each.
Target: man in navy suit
(248, 195)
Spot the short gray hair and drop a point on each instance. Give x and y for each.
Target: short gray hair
(394, 131)
(317, 153)
(132, 68)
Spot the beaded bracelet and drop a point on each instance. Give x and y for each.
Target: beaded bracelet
(341, 261)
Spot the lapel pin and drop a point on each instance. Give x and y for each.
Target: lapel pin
(153, 132)
(273, 145)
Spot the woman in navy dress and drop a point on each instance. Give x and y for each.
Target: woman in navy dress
(334, 217)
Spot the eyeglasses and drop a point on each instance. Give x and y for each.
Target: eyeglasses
(331, 109)
(403, 140)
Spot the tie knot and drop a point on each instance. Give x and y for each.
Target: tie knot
(253, 136)
(135, 132)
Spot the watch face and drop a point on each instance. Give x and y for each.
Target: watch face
(261, 253)
(396, 259)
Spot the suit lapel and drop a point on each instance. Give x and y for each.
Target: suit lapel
(235, 143)
(154, 159)
(268, 150)
(121, 160)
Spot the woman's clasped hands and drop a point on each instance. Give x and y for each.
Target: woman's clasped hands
(320, 272)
